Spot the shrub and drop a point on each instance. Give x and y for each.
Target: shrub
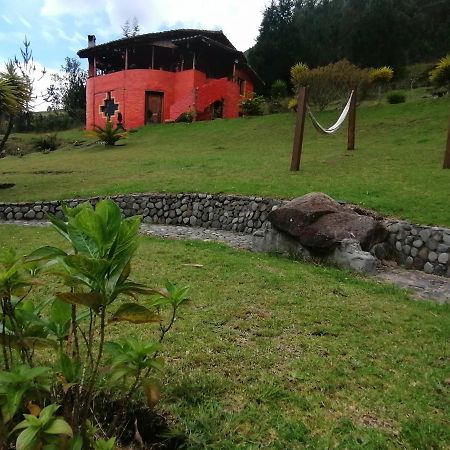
(252, 105)
(108, 135)
(47, 143)
(396, 97)
(440, 75)
(381, 75)
(188, 116)
(278, 89)
(328, 83)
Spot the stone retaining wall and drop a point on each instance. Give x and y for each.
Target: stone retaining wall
(226, 212)
(414, 246)
(420, 247)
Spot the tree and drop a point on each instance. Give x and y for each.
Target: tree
(29, 72)
(68, 90)
(130, 29)
(14, 95)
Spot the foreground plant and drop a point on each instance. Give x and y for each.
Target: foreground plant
(95, 273)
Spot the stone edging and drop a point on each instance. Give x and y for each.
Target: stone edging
(224, 212)
(413, 246)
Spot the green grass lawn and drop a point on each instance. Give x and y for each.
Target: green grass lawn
(271, 353)
(396, 168)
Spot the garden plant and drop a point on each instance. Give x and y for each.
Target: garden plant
(60, 371)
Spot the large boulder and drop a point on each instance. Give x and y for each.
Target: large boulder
(320, 223)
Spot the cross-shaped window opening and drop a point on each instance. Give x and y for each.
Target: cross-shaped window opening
(109, 107)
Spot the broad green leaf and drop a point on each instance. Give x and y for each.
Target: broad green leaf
(91, 225)
(81, 242)
(60, 312)
(59, 426)
(59, 225)
(31, 342)
(27, 440)
(73, 212)
(48, 412)
(92, 268)
(45, 253)
(21, 426)
(92, 299)
(111, 217)
(125, 243)
(134, 313)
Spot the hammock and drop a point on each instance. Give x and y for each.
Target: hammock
(339, 122)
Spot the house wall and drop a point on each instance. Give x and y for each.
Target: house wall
(128, 89)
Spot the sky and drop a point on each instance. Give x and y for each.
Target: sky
(59, 28)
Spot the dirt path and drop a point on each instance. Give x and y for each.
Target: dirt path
(422, 285)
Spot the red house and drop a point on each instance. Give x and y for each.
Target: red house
(158, 77)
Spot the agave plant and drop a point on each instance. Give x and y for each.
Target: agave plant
(109, 134)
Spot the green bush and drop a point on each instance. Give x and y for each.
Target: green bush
(253, 105)
(396, 97)
(47, 143)
(329, 83)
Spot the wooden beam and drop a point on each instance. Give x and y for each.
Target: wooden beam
(352, 122)
(299, 129)
(447, 151)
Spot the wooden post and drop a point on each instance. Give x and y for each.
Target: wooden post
(447, 151)
(126, 59)
(299, 129)
(352, 122)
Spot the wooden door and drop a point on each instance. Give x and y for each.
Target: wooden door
(153, 107)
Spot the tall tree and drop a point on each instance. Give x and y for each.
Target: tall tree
(68, 90)
(370, 33)
(31, 74)
(130, 29)
(14, 91)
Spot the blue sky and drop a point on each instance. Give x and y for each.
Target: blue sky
(59, 28)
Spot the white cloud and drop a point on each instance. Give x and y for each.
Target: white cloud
(24, 21)
(7, 19)
(238, 19)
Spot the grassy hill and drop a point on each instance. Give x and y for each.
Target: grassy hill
(396, 168)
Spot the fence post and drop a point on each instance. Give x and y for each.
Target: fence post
(299, 129)
(447, 151)
(352, 122)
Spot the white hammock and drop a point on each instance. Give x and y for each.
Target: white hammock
(339, 122)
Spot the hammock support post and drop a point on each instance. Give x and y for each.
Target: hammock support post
(299, 129)
(447, 151)
(352, 122)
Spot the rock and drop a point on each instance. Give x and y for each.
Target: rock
(318, 222)
(428, 268)
(30, 215)
(349, 255)
(418, 243)
(423, 253)
(425, 234)
(302, 211)
(443, 258)
(432, 256)
(275, 242)
(440, 270)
